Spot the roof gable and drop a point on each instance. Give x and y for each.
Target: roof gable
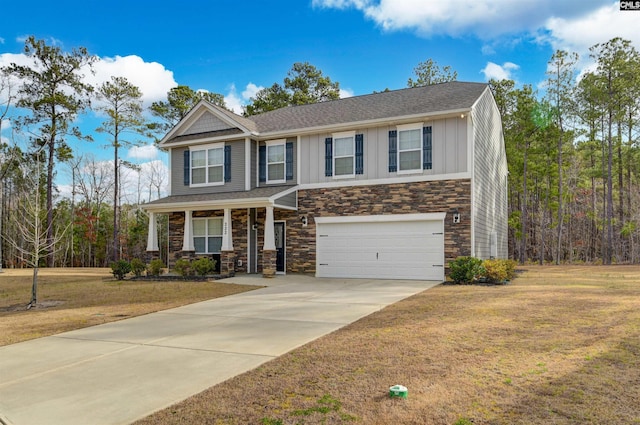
(206, 120)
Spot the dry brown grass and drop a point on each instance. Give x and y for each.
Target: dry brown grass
(559, 345)
(75, 298)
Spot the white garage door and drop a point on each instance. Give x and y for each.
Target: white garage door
(402, 249)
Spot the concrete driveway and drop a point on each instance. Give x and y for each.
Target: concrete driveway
(119, 372)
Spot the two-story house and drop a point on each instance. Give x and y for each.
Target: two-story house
(387, 185)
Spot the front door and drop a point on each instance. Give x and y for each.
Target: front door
(280, 246)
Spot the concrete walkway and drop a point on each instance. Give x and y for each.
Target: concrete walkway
(119, 372)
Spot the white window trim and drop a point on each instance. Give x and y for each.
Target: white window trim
(206, 235)
(278, 142)
(206, 148)
(408, 127)
(344, 135)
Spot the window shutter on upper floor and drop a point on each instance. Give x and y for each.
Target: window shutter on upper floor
(187, 168)
(262, 163)
(426, 148)
(328, 157)
(227, 163)
(289, 160)
(393, 151)
(359, 153)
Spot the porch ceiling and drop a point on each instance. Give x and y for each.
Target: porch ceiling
(255, 198)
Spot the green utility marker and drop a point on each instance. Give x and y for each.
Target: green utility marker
(398, 391)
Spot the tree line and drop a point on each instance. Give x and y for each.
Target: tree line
(573, 159)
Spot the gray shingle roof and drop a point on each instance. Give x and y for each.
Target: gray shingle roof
(257, 193)
(392, 104)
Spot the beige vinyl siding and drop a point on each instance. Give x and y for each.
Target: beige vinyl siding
(450, 138)
(237, 172)
(289, 200)
(489, 179)
(254, 164)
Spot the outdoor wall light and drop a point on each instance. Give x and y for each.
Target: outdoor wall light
(254, 227)
(304, 219)
(456, 216)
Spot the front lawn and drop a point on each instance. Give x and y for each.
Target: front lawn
(558, 345)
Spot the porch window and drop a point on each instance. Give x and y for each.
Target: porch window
(207, 165)
(207, 235)
(276, 163)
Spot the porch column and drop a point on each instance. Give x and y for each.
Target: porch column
(269, 234)
(227, 255)
(269, 248)
(227, 231)
(187, 241)
(152, 236)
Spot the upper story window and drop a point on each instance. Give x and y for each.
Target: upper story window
(344, 154)
(207, 165)
(207, 235)
(410, 149)
(276, 161)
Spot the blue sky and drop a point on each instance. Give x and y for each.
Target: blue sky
(236, 47)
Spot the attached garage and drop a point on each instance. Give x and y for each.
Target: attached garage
(407, 246)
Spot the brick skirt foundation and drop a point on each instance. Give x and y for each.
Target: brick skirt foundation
(269, 263)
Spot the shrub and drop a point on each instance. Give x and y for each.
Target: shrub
(465, 269)
(203, 266)
(511, 268)
(183, 267)
(495, 270)
(155, 267)
(137, 267)
(120, 269)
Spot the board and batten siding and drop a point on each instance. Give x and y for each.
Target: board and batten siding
(450, 150)
(237, 172)
(489, 191)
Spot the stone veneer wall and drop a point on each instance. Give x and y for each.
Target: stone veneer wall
(239, 223)
(400, 198)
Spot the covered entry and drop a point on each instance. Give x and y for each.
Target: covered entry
(406, 246)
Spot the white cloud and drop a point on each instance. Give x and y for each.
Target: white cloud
(235, 101)
(598, 26)
(484, 18)
(499, 72)
(152, 78)
(250, 91)
(346, 93)
(143, 152)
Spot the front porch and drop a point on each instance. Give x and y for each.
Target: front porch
(246, 235)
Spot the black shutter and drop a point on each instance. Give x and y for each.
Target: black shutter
(359, 154)
(262, 163)
(187, 168)
(227, 163)
(328, 157)
(426, 148)
(289, 160)
(393, 151)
